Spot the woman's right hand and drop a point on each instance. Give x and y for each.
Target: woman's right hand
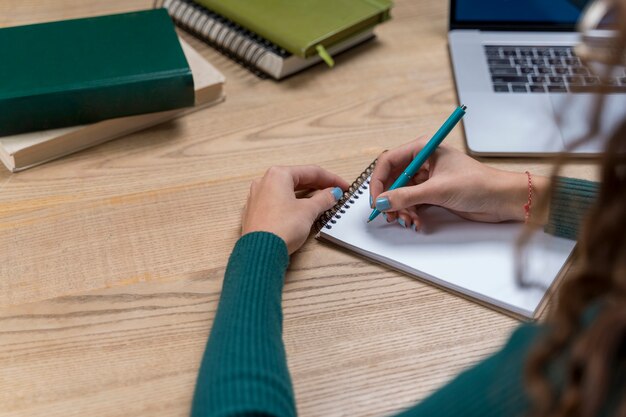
(453, 180)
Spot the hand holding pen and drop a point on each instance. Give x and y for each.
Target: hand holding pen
(453, 180)
(412, 169)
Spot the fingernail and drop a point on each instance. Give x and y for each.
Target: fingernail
(371, 201)
(382, 204)
(402, 222)
(337, 193)
(414, 227)
(386, 218)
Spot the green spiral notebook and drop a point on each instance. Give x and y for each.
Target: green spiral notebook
(303, 27)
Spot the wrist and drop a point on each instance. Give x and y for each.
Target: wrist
(512, 189)
(268, 244)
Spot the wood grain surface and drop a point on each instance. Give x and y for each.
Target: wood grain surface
(111, 260)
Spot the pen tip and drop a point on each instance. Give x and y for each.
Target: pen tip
(369, 221)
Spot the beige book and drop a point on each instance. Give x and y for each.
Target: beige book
(19, 152)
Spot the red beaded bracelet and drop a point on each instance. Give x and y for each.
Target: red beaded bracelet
(529, 204)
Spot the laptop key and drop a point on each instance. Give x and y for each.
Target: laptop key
(596, 89)
(555, 61)
(527, 70)
(503, 71)
(544, 70)
(538, 79)
(561, 70)
(572, 61)
(537, 88)
(557, 89)
(499, 61)
(574, 79)
(556, 80)
(501, 88)
(519, 88)
(538, 61)
(499, 79)
(509, 52)
(592, 80)
(562, 52)
(623, 80)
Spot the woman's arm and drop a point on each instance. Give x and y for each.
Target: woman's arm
(493, 387)
(244, 369)
(475, 191)
(570, 202)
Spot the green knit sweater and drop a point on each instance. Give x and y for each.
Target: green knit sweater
(244, 369)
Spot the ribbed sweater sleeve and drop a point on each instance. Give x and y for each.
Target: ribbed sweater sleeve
(244, 367)
(570, 202)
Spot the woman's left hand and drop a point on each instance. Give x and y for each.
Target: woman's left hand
(273, 206)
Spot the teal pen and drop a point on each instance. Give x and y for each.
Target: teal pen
(426, 152)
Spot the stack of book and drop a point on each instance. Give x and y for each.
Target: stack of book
(280, 37)
(78, 83)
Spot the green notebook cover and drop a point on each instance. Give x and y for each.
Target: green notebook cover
(299, 26)
(85, 70)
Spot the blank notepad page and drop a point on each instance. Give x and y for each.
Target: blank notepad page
(475, 259)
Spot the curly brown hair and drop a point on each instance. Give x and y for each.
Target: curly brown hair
(587, 324)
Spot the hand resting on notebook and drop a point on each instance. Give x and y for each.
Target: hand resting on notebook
(453, 180)
(273, 206)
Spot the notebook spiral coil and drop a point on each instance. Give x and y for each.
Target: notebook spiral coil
(237, 43)
(356, 190)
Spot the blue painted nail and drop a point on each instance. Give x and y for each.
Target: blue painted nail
(337, 193)
(382, 203)
(371, 201)
(402, 222)
(414, 227)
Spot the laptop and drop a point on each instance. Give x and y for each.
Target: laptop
(527, 92)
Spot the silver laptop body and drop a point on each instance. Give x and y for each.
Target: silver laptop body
(527, 93)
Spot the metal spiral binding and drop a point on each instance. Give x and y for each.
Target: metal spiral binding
(239, 44)
(356, 190)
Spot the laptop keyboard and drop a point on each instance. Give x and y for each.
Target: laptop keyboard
(542, 69)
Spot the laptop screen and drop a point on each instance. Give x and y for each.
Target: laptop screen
(516, 14)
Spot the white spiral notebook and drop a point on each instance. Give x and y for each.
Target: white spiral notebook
(473, 259)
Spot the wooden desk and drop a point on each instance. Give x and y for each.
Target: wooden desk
(111, 260)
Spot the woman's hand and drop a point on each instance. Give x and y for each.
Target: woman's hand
(452, 180)
(273, 206)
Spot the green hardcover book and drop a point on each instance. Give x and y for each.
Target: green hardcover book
(85, 70)
(303, 27)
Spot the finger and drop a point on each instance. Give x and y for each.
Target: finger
(426, 193)
(390, 164)
(419, 178)
(415, 220)
(314, 177)
(404, 219)
(323, 200)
